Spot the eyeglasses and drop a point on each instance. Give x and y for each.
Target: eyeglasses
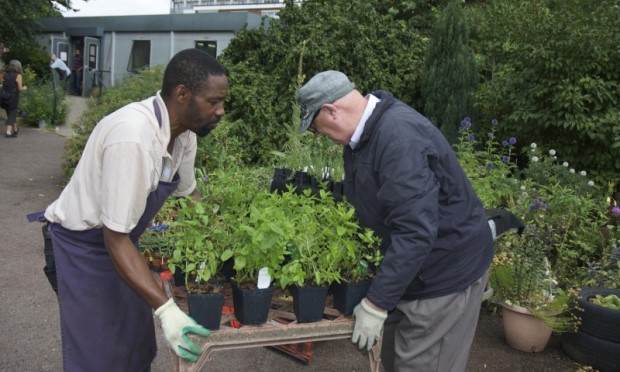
(312, 127)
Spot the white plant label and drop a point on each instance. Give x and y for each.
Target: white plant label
(264, 279)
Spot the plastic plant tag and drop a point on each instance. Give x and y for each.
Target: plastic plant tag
(202, 266)
(264, 279)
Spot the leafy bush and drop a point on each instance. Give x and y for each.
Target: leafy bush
(38, 102)
(265, 67)
(571, 210)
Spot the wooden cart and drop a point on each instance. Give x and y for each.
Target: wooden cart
(281, 328)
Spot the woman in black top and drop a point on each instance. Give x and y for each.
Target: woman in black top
(12, 83)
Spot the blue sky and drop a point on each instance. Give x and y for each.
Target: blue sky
(94, 8)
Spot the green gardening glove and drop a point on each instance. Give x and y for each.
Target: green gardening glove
(176, 325)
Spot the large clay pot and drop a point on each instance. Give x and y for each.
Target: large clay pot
(523, 330)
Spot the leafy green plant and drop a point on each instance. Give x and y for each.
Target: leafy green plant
(488, 162)
(258, 238)
(610, 301)
(327, 242)
(38, 103)
(546, 192)
(156, 246)
(521, 275)
(198, 233)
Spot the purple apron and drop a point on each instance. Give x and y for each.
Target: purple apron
(120, 332)
(105, 325)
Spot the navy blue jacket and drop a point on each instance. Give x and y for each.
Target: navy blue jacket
(406, 183)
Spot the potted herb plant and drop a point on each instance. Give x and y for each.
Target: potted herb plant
(362, 255)
(198, 233)
(258, 240)
(315, 253)
(156, 247)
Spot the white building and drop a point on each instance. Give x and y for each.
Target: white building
(262, 7)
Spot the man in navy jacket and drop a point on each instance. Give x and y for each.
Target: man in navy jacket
(406, 184)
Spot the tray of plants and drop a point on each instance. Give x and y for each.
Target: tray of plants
(280, 326)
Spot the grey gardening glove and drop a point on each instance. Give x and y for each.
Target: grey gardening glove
(368, 324)
(176, 325)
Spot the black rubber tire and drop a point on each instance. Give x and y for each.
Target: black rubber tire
(591, 351)
(599, 321)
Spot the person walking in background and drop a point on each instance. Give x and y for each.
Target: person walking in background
(77, 65)
(134, 159)
(61, 68)
(407, 185)
(12, 85)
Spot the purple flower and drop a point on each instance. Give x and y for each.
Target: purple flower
(471, 138)
(512, 140)
(205, 178)
(489, 166)
(506, 159)
(466, 124)
(505, 143)
(537, 204)
(161, 227)
(494, 122)
(615, 211)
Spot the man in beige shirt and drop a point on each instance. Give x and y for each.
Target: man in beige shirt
(134, 159)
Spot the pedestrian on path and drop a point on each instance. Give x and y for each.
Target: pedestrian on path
(134, 159)
(406, 184)
(12, 86)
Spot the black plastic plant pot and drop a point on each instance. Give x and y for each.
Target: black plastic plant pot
(228, 270)
(338, 191)
(280, 179)
(206, 309)
(179, 278)
(309, 302)
(251, 305)
(348, 295)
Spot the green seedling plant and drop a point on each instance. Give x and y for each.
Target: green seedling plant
(198, 233)
(259, 238)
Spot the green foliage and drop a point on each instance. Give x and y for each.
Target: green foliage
(156, 243)
(198, 234)
(259, 237)
(610, 302)
(550, 75)
(489, 166)
(38, 101)
(449, 77)
(563, 204)
(134, 88)
(313, 37)
(521, 275)
(31, 56)
(19, 23)
(327, 241)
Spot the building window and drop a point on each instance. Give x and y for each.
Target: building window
(63, 52)
(208, 46)
(140, 55)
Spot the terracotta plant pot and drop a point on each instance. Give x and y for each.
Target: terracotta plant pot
(523, 330)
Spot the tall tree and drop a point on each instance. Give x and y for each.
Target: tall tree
(19, 21)
(449, 78)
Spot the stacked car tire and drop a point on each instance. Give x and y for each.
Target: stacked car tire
(597, 342)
